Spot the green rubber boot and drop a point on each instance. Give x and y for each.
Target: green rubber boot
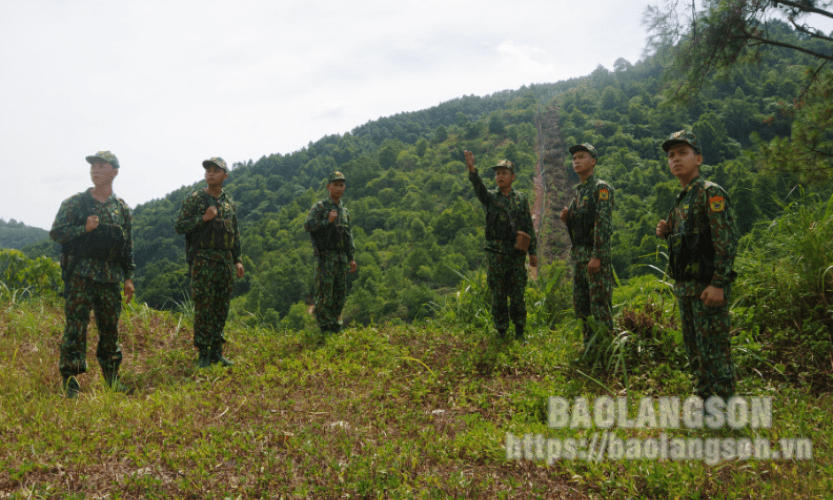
(204, 360)
(217, 357)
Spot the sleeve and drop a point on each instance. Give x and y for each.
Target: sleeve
(603, 225)
(724, 237)
(128, 264)
(314, 221)
(237, 251)
(190, 215)
(64, 227)
(670, 221)
(480, 189)
(533, 241)
(352, 252)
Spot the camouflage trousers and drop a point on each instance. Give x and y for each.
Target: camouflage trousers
(211, 287)
(706, 338)
(506, 277)
(105, 300)
(593, 296)
(330, 290)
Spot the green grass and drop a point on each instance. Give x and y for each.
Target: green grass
(417, 411)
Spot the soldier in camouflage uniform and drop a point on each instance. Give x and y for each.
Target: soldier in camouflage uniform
(507, 213)
(328, 223)
(590, 226)
(208, 220)
(95, 230)
(702, 245)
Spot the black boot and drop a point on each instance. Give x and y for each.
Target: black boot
(501, 333)
(70, 386)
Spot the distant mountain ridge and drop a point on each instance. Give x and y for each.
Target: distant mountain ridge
(14, 234)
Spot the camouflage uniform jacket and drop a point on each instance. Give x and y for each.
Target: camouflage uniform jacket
(594, 194)
(710, 210)
(70, 224)
(318, 218)
(190, 219)
(495, 201)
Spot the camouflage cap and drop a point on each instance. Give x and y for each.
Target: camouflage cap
(217, 162)
(336, 176)
(584, 147)
(104, 156)
(505, 164)
(685, 136)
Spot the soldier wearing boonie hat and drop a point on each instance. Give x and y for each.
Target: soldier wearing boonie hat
(702, 244)
(589, 223)
(328, 223)
(510, 236)
(208, 219)
(95, 231)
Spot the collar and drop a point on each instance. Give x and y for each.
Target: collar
(336, 203)
(222, 193)
(109, 198)
(694, 182)
(590, 179)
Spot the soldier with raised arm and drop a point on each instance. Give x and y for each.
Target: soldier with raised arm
(510, 236)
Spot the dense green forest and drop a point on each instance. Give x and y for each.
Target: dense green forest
(14, 234)
(418, 225)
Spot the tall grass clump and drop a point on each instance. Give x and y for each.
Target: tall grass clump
(785, 291)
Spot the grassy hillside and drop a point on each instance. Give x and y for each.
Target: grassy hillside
(413, 411)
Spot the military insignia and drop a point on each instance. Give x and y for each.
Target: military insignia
(716, 203)
(604, 194)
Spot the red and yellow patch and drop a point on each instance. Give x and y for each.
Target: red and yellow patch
(717, 203)
(604, 194)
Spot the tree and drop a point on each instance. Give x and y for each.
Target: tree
(387, 157)
(496, 125)
(728, 34)
(421, 147)
(440, 135)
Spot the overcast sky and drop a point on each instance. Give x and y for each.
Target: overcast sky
(167, 84)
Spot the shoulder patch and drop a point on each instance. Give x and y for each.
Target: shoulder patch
(717, 203)
(604, 194)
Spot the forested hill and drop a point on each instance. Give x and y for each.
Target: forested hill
(417, 222)
(14, 234)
